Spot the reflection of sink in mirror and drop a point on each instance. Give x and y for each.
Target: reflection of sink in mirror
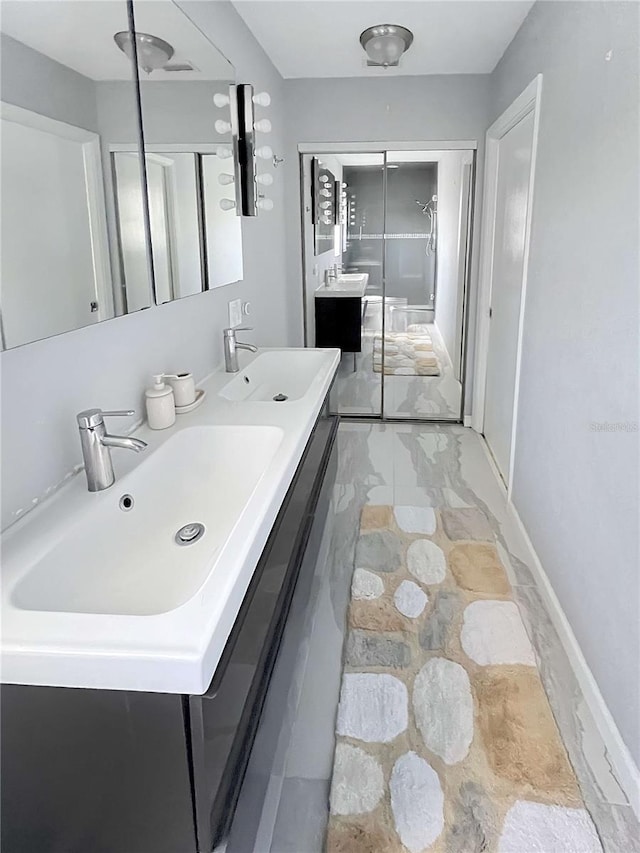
(271, 374)
(346, 285)
(128, 562)
(71, 173)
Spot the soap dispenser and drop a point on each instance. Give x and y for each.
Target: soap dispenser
(160, 404)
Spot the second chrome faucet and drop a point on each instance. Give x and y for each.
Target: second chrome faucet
(231, 347)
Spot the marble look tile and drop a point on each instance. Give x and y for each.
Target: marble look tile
(415, 496)
(302, 817)
(379, 496)
(365, 454)
(421, 457)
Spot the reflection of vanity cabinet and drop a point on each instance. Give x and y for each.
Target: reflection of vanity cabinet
(338, 313)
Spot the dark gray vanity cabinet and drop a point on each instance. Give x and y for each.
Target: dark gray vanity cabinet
(339, 322)
(224, 720)
(105, 771)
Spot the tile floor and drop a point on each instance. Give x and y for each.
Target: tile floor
(429, 465)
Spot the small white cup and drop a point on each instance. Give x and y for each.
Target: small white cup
(184, 388)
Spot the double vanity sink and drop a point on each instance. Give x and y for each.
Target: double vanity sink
(137, 587)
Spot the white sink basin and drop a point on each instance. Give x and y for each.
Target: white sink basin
(128, 562)
(274, 375)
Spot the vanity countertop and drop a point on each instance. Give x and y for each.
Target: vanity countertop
(175, 650)
(346, 285)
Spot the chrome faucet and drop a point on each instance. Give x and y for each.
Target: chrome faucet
(231, 347)
(97, 444)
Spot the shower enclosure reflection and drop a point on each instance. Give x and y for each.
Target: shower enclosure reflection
(405, 222)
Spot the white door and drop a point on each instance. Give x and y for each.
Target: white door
(514, 158)
(47, 199)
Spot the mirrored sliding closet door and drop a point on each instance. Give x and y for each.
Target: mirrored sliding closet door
(387, 285)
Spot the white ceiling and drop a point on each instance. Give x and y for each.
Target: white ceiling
(79, 34)
(320, 38)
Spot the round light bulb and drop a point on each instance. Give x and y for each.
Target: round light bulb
(266, 180)
(264, 204)
(262, 99)
(227, 204)
(220, 100)
(222, 126)
(224, 152)
(386, 49)
(325, 192)
(264, 152)
(225, 178)
(263, 125)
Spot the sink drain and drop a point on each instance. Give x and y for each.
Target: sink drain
(280, 398)
(190, 533)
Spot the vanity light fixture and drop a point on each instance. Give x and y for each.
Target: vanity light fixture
(152, 52)
(384, 44)
(243, 128)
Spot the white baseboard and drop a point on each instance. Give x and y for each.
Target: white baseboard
(618, 755)
(467, 420)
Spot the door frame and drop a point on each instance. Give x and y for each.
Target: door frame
(527, 101)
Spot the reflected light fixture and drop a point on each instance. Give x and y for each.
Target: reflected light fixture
(384, 44)
(153, 52)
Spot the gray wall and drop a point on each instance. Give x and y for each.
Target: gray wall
(576, 489)
(45, 383)
(409, 271)
(396, 109)
(172, 112)
(35, 82)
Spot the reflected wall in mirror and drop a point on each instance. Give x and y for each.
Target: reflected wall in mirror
(77, 208)
(195, 229)
(60, 266)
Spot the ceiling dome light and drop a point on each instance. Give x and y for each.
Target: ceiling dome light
(153, 52)
(384, 44)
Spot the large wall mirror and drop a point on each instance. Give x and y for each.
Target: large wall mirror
(90, 230)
